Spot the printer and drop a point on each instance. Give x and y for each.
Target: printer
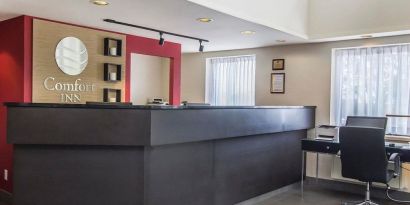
(157, 102)
(327, 132)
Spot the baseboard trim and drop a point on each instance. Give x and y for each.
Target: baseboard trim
(6, 197)
(353, 188)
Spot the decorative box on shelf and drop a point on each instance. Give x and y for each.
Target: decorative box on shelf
(112, 95)
(112, 47)
(112, 72)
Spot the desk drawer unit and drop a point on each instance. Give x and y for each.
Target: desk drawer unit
(320, 146)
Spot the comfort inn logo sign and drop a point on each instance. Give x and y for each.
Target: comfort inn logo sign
(71, 57)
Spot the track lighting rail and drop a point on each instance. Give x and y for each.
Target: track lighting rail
(159, 31)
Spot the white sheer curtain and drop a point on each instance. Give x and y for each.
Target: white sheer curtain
(371, 81)
(230, 80)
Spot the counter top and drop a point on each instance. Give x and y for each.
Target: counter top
(146, 107)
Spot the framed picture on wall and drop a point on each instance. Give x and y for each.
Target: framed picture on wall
(278, 64)
(277, 84)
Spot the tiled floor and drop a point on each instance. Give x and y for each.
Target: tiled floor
(312, 196)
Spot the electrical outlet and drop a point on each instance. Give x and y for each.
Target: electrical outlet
(6, 175)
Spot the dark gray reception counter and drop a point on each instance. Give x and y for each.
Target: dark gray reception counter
(138, 155)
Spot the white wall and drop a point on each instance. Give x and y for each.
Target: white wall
(308, 69)
(289, 16)
(149, 78)
(335, 18)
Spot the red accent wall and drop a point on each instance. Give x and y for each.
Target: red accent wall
(16, 73)
(15, 80)
(149, 46)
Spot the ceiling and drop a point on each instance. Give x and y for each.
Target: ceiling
(178, 16)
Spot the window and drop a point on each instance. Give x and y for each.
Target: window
(230, 80)
(372, 81)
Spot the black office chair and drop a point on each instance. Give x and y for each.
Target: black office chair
(363, 157)
(366, 121)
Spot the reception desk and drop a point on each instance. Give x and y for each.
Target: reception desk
(139, 155)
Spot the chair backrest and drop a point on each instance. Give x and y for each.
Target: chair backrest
(365, 121)
(363, 153)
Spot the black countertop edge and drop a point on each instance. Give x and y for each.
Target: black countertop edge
(145, 107)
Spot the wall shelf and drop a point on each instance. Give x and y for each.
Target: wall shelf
(111, 68)
(110, 43)
(110, 94)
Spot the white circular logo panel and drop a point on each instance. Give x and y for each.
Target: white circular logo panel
(71, 56)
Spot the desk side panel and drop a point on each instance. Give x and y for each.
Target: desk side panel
(220, 172)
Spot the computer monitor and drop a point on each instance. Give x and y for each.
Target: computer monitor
(398, 125)
(365, 121)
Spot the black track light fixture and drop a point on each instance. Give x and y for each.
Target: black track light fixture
(201, 47)
(161, 39)
(161, 32)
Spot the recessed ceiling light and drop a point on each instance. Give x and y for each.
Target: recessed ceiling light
(367, 36)
(248, 32)
(281, 41)
(205, 20)
(100, 2)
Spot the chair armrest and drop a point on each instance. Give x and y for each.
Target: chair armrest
(395, 157)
